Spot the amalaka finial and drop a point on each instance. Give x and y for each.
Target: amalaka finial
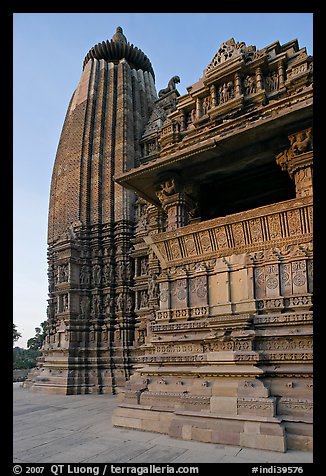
(119, 36)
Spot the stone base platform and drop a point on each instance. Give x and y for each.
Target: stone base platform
(78, 429)
(266, 433)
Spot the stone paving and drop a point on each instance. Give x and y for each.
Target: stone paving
(78, 429)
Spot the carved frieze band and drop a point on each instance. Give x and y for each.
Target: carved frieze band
(284, 223)
(288, 343)
(278, 356)
(289, 318)
(197, 400)
(286, 406)
(178, 326)
(285, 302)
(171, 358)
(271, 319)
(256, 406)
(194, 312)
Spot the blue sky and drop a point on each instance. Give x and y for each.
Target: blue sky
(48, 53)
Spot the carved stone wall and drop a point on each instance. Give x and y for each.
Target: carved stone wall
(227, 356)
(204, 327)
(233, 334)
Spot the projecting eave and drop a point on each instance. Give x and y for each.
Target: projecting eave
(230, 148)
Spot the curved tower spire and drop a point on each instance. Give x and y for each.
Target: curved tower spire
(98, 136)
(91, 221)
(118, 48)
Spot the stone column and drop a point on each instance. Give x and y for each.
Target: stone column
(176, 203)
(176, 207)
(237, 85)
(301, 171)
(183, 121)
(297, 160)
(259, 80)
(198, 108)
(213, 95)
(280, 74)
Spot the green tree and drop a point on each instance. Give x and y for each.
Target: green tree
(17, 334)
(24, 358)
(36, 342)
(27, 358)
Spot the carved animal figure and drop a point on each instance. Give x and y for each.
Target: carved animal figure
(167, 188)
(170, 87)
(301, 142)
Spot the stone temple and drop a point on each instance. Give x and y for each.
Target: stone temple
(180, 246)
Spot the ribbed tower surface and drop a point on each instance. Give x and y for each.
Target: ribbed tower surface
(90, 225)
(105, 117)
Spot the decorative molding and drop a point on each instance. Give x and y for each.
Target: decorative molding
(158, 359)
(286, 356)
(256, 406)
(278, 225)
(281, 343)
(281, 319)
(178, 326)
(288, 406)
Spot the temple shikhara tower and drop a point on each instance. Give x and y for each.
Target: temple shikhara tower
(180, 246)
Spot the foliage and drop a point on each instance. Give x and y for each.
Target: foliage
(24, 358)
(16, 334)
(36, 342)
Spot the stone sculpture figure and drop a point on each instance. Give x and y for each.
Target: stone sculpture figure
(143, 299)
(249, 85)
(143, 266)
(153, 287)
(170, 87)
(206, 104)
(225, 92)
(97, 275)
(84, 307)
(301, 142)
(128, 271)
(85, 275)
(129, 303)
(65, 302)
(167, 189)
(120, 301)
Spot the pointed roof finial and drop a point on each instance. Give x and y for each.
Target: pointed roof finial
(119, 36)
(119, 48)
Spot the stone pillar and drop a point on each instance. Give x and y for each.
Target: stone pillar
(175, 202)
(198, 108)
(237, 85)
(280, 74)
(155, 219)
(183, 121)
(259, 80)
(297, 160)
(176, 207)
(301, 171)
(213, 95)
